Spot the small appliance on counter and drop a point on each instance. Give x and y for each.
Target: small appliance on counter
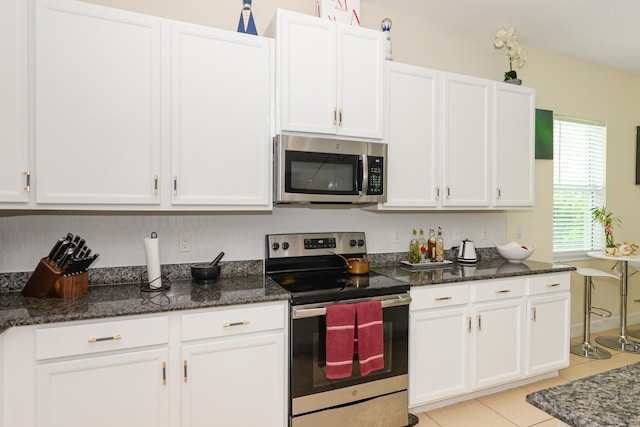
(467, 252)
(62, 273)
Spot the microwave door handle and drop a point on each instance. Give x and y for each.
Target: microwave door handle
(363, 178)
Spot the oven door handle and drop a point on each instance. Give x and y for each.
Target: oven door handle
(386, 302)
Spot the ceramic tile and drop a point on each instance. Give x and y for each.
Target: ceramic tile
(512, 405)
(577, 371)
(470, 413)
(426, 420)
(542, 384)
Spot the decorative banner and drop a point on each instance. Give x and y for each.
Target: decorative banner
(346, 11)
(544, 134)
(247, 24)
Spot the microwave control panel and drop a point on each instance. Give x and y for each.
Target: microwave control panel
(376, 175)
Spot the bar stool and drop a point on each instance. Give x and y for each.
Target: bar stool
(585, 348)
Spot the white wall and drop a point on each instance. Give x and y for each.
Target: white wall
(119, 238)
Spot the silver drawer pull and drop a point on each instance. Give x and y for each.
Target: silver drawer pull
(115, 337)
(551, 285)
(503, 291)
(228, 325)
(442, 298)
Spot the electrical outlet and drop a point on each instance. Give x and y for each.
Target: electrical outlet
(456, 234)
(397, 236)
(518, 232)
(184, 244)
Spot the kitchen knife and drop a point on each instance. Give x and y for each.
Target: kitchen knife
(78, 266)
(66, 258)
(79, 248)
(55, 248)
(61, 251)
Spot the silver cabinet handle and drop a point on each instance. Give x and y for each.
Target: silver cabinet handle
(175, 184)
(479, 317)
(442, 298)
(230, 324)
(503, 291)
(27, 187)
(552, 285)
(448, 192)
(335, 117)
(115, 337)
(469, 324)
(437, 192)
(155, 185)
(340, 117)
(499, 193)
(533, 314)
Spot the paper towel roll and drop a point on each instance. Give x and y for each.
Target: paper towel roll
(152, 254)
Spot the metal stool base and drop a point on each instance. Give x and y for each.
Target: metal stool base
(585, 349)
(635, 333)
(619, 343)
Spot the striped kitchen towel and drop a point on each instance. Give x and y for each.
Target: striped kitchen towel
(341, 319)
(370, 336)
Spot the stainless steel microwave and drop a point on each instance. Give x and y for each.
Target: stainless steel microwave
(322, 170)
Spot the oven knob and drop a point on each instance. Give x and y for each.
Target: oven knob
(352, 243)
(275, 246)
(360, 242)
(285, 245)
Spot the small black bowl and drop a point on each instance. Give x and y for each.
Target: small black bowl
(205, 273)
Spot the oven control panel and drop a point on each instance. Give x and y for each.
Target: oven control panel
(315, 244)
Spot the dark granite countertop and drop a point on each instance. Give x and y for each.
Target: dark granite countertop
(606, 399)
(114, 292)
(489, 268)
(115, 300)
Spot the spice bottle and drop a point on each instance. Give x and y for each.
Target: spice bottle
(422, 243)
(414, 249)
(431, 245)
(439, 246)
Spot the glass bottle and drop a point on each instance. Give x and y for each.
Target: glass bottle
(414, 249)
(431, 246)
(439, 246)
(422, 243)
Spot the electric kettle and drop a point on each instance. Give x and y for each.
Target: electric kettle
(467, 252)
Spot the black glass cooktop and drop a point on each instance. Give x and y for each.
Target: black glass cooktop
(314, 287)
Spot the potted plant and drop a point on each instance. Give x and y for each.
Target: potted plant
(506, 37)
(608, 220)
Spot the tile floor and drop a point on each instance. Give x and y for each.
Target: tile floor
(509, 408)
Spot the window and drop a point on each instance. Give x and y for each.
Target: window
(579, 184)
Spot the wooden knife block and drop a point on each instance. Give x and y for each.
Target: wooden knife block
(47, 281)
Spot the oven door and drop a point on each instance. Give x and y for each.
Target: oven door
(312, 392)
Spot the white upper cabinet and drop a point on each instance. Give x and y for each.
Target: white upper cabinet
(513, 149)
(14, 151)
(97, 109)
(329, 77)
(221, 86)
(412, 134)
(466, 133)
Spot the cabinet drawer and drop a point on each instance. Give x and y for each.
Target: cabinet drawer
(442, 296)
(546, 283)
(497, 289)
(232, 321)
(100, 336)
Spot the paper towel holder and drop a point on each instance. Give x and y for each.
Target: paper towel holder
(146, 285)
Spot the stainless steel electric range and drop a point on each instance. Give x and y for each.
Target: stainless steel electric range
(307, 265)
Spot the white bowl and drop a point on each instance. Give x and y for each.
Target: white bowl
(515, 252)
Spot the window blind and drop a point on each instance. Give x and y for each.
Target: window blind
(579, 184)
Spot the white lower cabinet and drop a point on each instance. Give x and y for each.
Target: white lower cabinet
(471, 336)
(220, 366)
(234, 369)
(104, 391)
(548, 322)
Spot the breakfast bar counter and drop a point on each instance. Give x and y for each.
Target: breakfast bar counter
(606, 399)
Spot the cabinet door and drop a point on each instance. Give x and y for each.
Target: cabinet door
(466, 134)
(412, 135)
(513, 150)
(220, 117)
(306, 73)
(124, 390)
(14, 152)
(548, 332)
(235, 380)
(97, 105)
(360, 68)
(498, 342)
(438, 354)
